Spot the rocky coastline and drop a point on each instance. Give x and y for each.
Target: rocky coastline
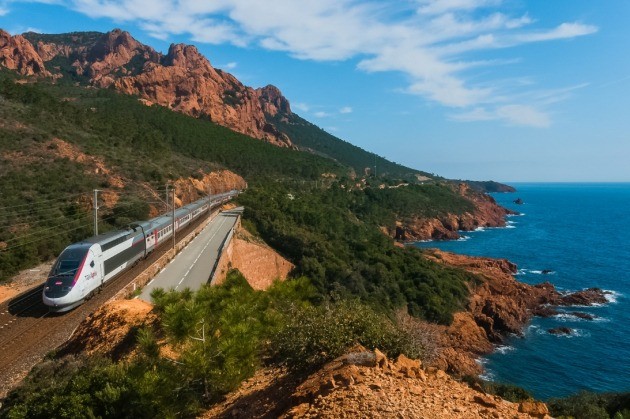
(499, 306)
(487, 213)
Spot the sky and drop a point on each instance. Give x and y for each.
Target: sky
(509, 90)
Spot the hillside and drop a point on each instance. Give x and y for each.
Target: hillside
(184, 80)
(309, 137)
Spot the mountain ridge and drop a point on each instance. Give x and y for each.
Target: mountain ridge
(182, 79)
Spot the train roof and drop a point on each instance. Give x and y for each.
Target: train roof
(104, 237)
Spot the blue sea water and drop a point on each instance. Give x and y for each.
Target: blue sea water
(581, 233)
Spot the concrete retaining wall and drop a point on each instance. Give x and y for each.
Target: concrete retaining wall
(149, 273)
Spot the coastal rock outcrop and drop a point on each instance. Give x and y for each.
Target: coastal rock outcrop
(486, 213)
(498, 305)
(560, 331)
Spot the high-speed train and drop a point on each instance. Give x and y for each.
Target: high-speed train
(82, 268)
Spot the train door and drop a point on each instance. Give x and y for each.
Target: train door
(100, 270)
(92, 272)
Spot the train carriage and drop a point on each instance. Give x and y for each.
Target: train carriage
(82, 268)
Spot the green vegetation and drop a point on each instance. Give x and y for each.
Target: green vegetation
(220, 335)
(312, 138)
(314, 335)
(70, 38)
(333, 238)
(507, 391)
(588, 405)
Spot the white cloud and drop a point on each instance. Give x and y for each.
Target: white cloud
(522, 115)
(301, 106)
(321, 114)
(3, 11)
(563, 31)
(428, 41)
(441, 6)
(345, 109)
(229, 66)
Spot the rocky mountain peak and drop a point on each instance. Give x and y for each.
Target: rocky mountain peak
(182, 80)
(114, 42)
(114, 51)
(16, 53)
(185, 56)
(273, 102)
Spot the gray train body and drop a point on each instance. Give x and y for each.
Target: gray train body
(84, 267)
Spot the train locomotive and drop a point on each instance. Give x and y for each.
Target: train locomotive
(83, 268)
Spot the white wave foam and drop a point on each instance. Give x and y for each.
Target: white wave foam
(575, 333)
(463, 238)
(510, 226)
(516, 215)
(480, 229)
(612, 296)
(566, 317)
(538, 272)
(504, 349)
(579, 333)
(487, 376)
(570, 317)
(601, 319)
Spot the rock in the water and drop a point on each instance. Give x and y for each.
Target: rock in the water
(586, 297)
(560, 331)
(582, 315)
(547, 271)
(518, 201)
(545, 311)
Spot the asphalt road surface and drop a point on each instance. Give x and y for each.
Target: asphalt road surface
(192, 267)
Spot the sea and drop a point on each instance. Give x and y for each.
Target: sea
(575, 236)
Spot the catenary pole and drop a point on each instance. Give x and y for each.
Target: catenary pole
(96, 191)
(173, 202)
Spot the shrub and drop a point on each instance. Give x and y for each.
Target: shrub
(588, 405)
(509, 392)
(315, 335)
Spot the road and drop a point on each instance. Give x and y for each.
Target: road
(192, 267)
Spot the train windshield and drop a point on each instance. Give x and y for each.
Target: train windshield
(69, 261)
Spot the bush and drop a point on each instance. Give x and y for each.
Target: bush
(315, 335)
(508, 392)
(588, 405)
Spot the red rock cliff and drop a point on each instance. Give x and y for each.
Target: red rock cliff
(182, 80)
(498, 305)
(16, 53)
(487, 213)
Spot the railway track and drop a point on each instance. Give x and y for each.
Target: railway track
(28, 331)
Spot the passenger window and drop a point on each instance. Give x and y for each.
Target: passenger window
(92, 264)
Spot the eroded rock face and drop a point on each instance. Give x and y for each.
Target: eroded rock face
(272, 101)
(498, 305)
(111, 330)
(182, 80)
(366, 383)
(487, 213)
(16, 53)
